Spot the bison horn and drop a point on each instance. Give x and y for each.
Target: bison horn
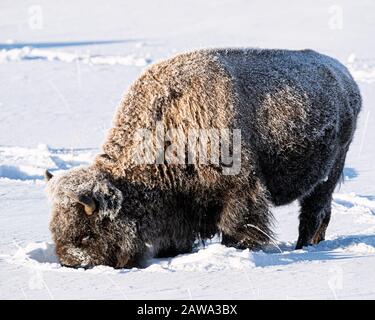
(48, 175)
(87, 202)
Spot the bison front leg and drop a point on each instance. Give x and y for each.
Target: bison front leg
(174, 250)
(316, 207)
(245, 219)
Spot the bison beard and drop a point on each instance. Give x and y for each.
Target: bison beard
(297, 113)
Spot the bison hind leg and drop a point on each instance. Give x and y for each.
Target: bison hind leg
(316, 207)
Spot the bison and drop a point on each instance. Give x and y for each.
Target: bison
(288, 118)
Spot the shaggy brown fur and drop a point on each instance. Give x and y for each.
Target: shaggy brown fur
(297, 113)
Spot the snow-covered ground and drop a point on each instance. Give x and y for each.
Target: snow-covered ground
(64, 67)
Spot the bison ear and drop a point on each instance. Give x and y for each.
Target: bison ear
(87, 202)
(48, 175)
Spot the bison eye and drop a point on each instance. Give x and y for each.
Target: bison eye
(85, 240)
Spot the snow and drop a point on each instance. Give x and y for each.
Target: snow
(27, 53)
(20, 163)
(62, 75)
(363, 70)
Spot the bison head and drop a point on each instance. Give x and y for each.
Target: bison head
(88, 224)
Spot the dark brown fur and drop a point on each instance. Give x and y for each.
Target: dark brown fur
(297, 113)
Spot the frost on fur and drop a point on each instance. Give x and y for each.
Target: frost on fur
(297, 113)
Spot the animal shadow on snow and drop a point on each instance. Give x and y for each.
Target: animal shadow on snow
(326, 250)
(43, 255)
(350, 173)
